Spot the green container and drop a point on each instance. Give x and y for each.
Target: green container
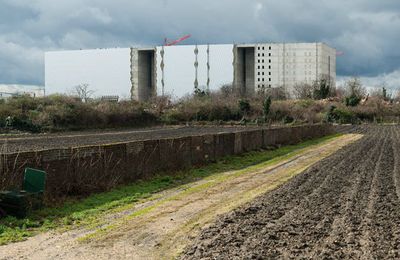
(20, 203)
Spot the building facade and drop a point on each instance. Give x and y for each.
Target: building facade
(261, 66)
(140, 73)
(12, 90)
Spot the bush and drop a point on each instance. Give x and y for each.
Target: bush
(341, 116)
(25, 125)
(244, 106)
(266, 106)
(352, 101)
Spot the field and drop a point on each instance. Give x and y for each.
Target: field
(33, 142)
(335, 197)
(346, 206)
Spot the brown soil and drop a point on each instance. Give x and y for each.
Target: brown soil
(347, 206)
(31, 142)
(162, 226)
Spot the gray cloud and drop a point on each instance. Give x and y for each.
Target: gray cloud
(367, 31)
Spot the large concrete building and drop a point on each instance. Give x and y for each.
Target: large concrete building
(11, 90)
(282, 64)
(140, 73)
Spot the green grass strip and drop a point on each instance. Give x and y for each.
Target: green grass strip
(89, 211)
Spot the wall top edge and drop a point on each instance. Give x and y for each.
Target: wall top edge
(189, 45)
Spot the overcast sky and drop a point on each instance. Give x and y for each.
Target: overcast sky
(367, 31)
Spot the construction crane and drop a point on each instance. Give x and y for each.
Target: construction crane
(339, 53)
(168, 43)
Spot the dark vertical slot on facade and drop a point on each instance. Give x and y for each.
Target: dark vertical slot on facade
(146, 77)
(245, 70)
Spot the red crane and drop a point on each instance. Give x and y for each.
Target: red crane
(167, 43)
(339, 53)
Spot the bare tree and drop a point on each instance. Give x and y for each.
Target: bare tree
(303, 91)
(354, 87)
(83, 92)
(277, 93)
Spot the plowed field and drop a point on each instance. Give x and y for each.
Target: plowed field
(347, 206)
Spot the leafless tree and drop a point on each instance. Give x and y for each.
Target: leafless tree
(354, 87)
(277, 93)
(303, 91)
(83, 92)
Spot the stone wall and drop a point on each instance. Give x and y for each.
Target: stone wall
(87, 169)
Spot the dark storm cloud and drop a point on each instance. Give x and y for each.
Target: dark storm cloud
(366, 31)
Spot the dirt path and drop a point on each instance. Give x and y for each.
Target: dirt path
(345, 207)
(162, 227)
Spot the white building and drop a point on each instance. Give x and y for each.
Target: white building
(140, 73)
(9, 90)
(282, 64)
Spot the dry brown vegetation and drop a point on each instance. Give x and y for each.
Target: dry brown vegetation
(306, 104)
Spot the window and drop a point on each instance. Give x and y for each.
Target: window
(263, 73)
(258, 61)
(269, 85)
(263, 66)
(269, 61)
(258, 79)
(270, 47)
(263, 61)
(258, 48)
(263, 48)
(269, 79)
(258, 67)
(263, 79)
(269, 73)
(269, 67)
(258, 73)
(269, 54)
(263, 54)
(259, 55)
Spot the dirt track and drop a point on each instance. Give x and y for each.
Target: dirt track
(345, 207)
(16, 143)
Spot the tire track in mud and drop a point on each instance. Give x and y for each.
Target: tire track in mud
(346, 206)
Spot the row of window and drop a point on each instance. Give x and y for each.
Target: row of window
(262, 79)
(292, 53)
(262, 54)
(262, 61)
(263, 86)
(262, 67)
(286, 60)
(262, 48)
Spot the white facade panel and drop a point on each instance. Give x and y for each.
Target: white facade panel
(107, 71)
(221, 65)
(180, 72)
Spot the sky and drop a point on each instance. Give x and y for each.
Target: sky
(367, 31)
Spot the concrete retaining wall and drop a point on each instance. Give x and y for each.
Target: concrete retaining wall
(83, 170)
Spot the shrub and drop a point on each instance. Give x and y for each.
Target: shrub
(352, 101)
(244, 106)
(266, 106)
(341, 116)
